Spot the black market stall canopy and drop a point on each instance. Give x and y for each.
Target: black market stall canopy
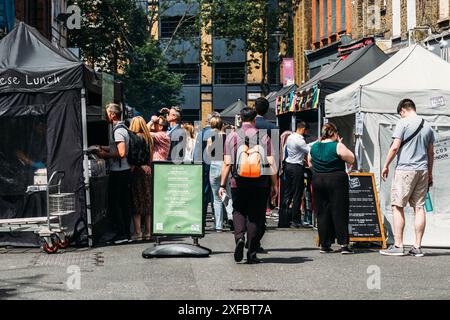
(30, 63)
(332, 78)
(280, 96)
(229, 114)
(43, 126)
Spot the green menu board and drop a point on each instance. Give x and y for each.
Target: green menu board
(177, 199)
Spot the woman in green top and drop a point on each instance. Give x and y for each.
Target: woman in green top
(330, 184)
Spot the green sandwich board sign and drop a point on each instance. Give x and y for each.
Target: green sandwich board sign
(177, 199)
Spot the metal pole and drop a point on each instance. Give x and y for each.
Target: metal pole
(319, 120)
(293, 122)
(86, 166)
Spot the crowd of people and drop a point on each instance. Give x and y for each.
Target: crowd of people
(242, 170)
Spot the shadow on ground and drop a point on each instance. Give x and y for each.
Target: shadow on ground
(290, 260)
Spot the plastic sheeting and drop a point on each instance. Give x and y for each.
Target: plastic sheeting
(41, 127)
(46, 134)
(376, 140)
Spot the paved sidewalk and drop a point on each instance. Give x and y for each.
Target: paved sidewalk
(293, 269)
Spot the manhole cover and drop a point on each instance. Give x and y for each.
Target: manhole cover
(80, 259)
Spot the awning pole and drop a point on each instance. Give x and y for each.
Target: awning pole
(86, 166)
(319, 120)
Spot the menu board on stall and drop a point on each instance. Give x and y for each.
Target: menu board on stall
(177, 199)
(365, 223)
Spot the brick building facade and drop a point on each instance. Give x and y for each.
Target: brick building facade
(321, 26)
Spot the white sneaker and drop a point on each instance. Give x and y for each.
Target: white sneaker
(393, 251)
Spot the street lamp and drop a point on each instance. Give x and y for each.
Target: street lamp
(278, 36)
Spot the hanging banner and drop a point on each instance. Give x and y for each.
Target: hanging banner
(288, 71)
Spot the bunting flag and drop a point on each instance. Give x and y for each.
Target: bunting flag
(293, 101)
(298, 101)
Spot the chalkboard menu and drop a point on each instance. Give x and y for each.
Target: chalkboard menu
(365, 223)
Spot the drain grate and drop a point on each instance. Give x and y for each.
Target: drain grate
(253, 290)
(81, 259)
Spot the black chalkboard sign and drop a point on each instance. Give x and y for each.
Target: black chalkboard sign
(365, 223)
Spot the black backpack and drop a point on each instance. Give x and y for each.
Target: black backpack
(138, 149)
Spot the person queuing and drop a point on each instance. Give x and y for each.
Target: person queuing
(178, 136)
(200, 155)
(119, 188)
(297, 151)
(215, 145)
(161, 141)
(249, 194)
(141, 184)
(331, 188)
(413, 145)
(190, 142)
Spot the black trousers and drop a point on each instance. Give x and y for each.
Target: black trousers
(331, 201)
(292, 199)
(119, 201)
(249, 213)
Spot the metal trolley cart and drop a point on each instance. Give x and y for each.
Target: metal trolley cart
(50, 228)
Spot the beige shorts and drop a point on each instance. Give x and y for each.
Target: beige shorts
(409, 186)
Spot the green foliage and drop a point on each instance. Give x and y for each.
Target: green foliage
(114, 37)
(149, 85)
(109, 29)
(251, 21)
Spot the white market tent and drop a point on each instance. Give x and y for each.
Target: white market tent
(420, 75)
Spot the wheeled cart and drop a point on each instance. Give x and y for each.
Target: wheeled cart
(50, 228)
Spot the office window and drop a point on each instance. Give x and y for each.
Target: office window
(169, 25)
(333, 16)
(274, 73)
(343, 16)
(396, 23)
(229, 73)
(444, 12)
(411, 17)
(190, 72)
(325, 18)
(317, 20)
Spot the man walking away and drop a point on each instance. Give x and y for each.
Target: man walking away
(250, 184)
(413, 145)
(297, 150)
(261, 107)
(119, 194)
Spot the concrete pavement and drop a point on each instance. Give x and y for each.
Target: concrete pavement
(293, 269)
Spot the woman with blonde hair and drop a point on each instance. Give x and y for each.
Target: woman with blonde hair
(141, 184)
(331, 188)
(190, 143)
(215, 147)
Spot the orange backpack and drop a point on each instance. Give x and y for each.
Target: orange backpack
(250, 161)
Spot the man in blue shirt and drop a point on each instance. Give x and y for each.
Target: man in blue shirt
(261, 107)
(200, 146)
(176, 134)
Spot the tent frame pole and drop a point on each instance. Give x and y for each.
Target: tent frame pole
(319, 119)
(86, 166)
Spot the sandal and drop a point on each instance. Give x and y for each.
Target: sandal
(147, 237)
(136, 237)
